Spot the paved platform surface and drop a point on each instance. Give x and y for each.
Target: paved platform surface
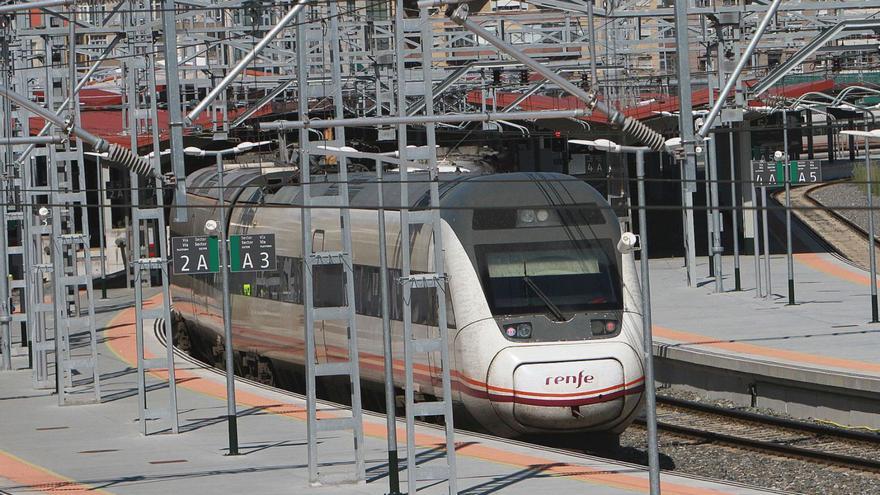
(827, 327)
(98, 448)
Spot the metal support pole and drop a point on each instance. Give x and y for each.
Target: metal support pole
(388, 350)
(100, 178)
(710, 226)
(686, 127)
(734, 215)
(242, 64)
(716, 247)
(650, 391)
(872, 246)
(231, 417)
(175, 118)
(591, 30)
(756, 233)
(5, 316)
(743, 61)
(769, 286)
(19, 140)
(787, 170)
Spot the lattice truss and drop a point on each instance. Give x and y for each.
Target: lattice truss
(634, 49)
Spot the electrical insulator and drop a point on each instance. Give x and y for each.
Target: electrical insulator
(585, 80)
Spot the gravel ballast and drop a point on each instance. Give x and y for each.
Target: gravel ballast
(842, 196)
(712, 460)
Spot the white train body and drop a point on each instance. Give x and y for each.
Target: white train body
(565, 376)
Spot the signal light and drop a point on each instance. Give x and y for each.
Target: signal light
(557, 134)
(518, 330)
(604, 327)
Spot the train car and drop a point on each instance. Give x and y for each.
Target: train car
(544, 313)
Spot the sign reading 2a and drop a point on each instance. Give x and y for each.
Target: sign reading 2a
(196, 254)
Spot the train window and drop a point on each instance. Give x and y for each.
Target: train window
(328, 282)
(534, 278)
(423, 304)
(368, 286)
(243, 283)
(291, 279)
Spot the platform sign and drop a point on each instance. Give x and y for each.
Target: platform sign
(196, 254)
(772, 174)
(251, 253)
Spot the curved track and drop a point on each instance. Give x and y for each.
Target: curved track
(844, 236)
(777, 436)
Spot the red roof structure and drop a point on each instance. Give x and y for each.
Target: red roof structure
(659, 103)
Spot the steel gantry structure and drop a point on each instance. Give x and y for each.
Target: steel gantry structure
(130, 78)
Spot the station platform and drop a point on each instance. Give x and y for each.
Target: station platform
(815, 359)
(98, 448)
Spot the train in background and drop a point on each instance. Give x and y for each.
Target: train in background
(544, 313)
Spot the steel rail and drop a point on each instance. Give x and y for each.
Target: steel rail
(765, 445)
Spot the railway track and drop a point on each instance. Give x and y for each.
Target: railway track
(847, 238)
(770, 434)
(735, 428)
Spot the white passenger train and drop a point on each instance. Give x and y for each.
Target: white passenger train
(544, 317)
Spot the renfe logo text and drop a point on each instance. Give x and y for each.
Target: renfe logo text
(580, 379)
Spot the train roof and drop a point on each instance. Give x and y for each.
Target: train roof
(457, 190)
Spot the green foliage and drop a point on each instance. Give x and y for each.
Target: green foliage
(860, 177)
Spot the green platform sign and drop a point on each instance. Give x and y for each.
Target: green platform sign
(772, 174)
(251, 253)
(195, 254)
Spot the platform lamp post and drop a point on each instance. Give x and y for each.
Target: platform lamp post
(869, 135)
(213, 227)
(648, 340)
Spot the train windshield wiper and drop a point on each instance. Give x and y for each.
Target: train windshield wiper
(557, 314)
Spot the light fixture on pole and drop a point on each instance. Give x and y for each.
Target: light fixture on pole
(648, 340)
(218, 227)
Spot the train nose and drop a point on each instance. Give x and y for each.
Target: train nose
(563, 390)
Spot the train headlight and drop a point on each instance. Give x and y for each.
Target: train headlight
(518, 330)
(527, 216)
(604, 327)
(542, 215)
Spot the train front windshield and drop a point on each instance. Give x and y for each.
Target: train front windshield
(550, 277)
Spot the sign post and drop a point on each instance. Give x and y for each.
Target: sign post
(766, 174)
(201, 254)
